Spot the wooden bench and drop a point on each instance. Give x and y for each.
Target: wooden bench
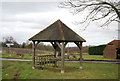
(44, 59)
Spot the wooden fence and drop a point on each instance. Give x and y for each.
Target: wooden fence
(23, 51)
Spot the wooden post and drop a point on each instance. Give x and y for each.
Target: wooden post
(55, 64)
(8, 50)
(33, 55)
(62, 57)
(79, 44)
(81, 60)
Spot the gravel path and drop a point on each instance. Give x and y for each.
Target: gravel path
(115, 62)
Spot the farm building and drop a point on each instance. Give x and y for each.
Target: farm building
(112, 50)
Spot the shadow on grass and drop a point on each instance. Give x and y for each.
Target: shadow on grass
(58, 69)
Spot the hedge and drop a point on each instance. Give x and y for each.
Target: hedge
(96, 50)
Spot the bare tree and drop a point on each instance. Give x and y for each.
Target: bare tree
(8, 39)
(109, 10)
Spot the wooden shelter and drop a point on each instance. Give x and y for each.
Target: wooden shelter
(112, 50)
(58, 34)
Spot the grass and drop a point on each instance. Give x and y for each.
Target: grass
(23, 70)
(26, 56)
(96, 57)
(85, 57)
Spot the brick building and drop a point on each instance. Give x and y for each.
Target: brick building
(112, 50)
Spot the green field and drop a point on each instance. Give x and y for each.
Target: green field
(23, 70)
(85, 57)
(96, 57)
(26, 56)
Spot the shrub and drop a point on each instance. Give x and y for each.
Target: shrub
(96, 50)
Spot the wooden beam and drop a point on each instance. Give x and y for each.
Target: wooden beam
(81, 60)
(55, 64)
(62, 57)
(65, 44)
(34, 48)
(79, 44)
(33, 66)
(56, 46)
(37, 44)
(53, 45)
(61, 46)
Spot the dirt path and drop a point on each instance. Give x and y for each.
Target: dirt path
(115, 62)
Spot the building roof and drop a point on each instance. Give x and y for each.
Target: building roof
(115, 42)
(57, 31)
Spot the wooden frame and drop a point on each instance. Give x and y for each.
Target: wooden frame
(60, 48)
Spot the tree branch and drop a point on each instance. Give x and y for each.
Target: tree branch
(99, 9)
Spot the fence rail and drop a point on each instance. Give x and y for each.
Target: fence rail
(46, 60)
(23, 51)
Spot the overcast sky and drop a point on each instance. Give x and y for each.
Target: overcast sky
(21, 20)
